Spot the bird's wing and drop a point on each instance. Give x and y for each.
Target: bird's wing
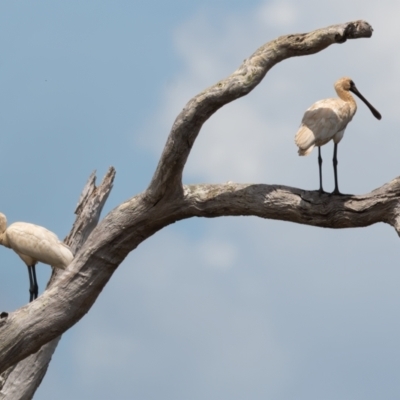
(65, 254)
(321, 122)
(305, 140)
(38, 243)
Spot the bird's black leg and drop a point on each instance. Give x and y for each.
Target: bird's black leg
(320, 170)
(31, 285)
(335, 163)
(35, 284)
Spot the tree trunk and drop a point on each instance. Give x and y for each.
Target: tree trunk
(21, 380)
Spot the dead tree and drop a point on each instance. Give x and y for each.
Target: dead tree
(29, 335)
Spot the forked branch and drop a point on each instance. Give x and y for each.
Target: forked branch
(21, 380)
(165, 201)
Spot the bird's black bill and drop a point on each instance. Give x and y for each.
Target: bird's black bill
(374, 111)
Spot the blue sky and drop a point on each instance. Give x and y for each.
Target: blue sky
(228, 308)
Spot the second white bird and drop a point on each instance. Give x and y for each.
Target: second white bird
(326, 120)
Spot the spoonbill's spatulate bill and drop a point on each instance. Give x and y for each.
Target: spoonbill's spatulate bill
(326, 120)
(34, 244)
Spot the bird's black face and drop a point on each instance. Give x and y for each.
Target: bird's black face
(353, 89)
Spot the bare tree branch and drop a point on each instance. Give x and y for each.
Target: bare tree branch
(168, 175)
(296, 205)
(21, 380)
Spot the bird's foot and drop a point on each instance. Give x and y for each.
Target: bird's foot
(337, 193)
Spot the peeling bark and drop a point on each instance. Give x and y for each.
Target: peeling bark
(29, 335)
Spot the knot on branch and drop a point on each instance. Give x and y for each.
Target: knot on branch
(354, 30)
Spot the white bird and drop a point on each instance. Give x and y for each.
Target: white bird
(34, 244)
(326, 120)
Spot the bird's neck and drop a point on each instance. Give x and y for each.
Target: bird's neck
(345, 95)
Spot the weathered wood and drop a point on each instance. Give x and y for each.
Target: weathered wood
(21, 380)
(295, 205)
(71, 293)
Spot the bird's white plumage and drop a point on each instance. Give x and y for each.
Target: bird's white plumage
(34, 244)
(323, 121)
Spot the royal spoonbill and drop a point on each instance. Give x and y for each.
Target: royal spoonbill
(34, 244)
(327, 119)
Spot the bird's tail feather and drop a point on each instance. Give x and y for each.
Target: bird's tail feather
(306, 152)
(305, 140)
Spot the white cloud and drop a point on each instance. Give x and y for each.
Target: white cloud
(277, 13)
(217, 253)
